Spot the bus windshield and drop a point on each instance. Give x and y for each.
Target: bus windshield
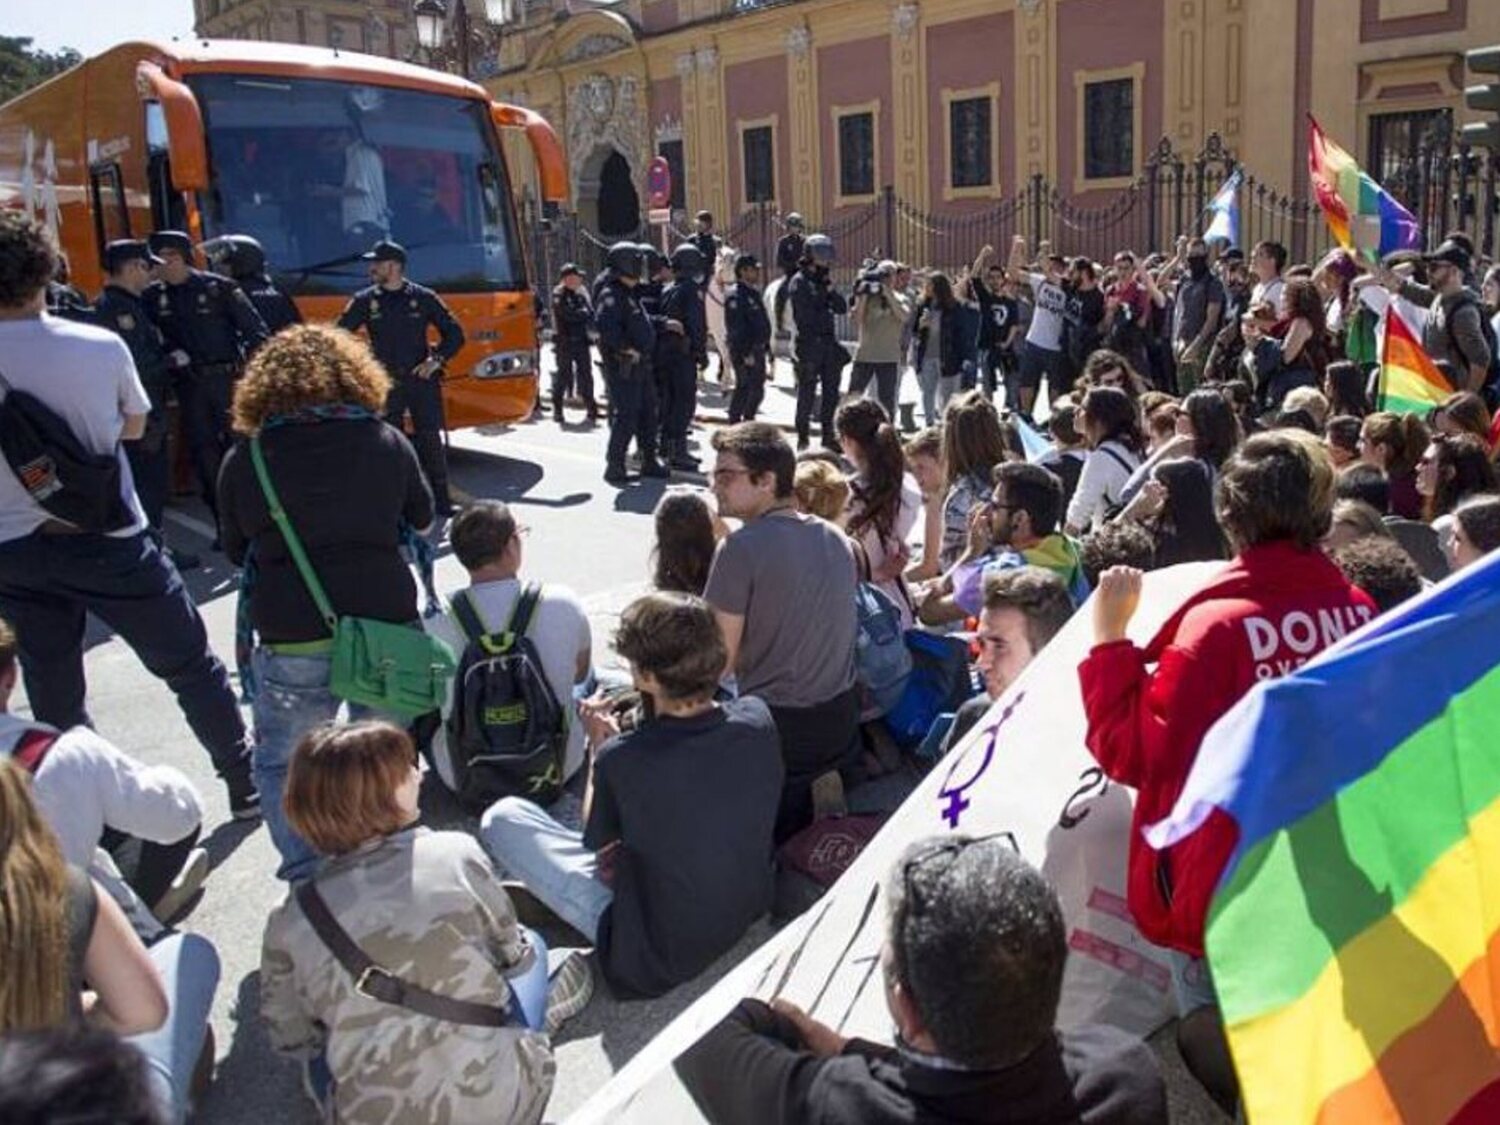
(318, 171)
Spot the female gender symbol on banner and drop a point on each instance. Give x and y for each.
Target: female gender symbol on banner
(956, 801)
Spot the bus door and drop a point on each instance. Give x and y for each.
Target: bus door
(107, 201)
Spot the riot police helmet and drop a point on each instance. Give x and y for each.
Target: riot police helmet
(625, 259)
(688, 261)
(819, 249)
(653, 258)
(237, 255)
(794, 221)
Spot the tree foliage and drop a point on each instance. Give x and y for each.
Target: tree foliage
(23, 66)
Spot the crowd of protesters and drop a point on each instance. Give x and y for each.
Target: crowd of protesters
(1084, 422)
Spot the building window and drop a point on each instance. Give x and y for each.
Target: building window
(672, 152)
(1399, 142)
(758, 148)
(856, 141)
(970, 142)
(1109, 129)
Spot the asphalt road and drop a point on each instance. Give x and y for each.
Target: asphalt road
(583, 534)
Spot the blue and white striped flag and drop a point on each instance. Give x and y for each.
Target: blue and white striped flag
(1225, 208)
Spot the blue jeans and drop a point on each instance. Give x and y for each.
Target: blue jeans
(189, 968)
(48, 586)
(292, 698)
(550, 859)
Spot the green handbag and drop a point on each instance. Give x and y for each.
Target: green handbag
(387, 666)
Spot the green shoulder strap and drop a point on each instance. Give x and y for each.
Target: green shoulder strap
(293, 543)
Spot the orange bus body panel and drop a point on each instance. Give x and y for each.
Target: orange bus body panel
(51, 135)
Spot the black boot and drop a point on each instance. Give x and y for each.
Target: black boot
(557, 407)
(651, 467)
(616, 474)
(593, 411)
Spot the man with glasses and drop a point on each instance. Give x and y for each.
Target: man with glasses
(1018, 527)
(972, 966)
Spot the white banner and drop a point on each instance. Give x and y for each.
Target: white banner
(1024, 772)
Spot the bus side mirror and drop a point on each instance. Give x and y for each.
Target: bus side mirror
(551, 163)
(185, 143)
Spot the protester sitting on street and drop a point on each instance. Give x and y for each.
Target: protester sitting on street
(490, 546)
(352, 492)
(1452, 468)
(924, 458)
(973, 444)
(61, 933)
(1393, 443)
(1354, 519)
(1069, 451)
(1463, 413)
(1341, 440)
(973, 963)
(674, 861)
(883, 502)
(820, 489)
(1159, 413)
(70, 1074)
(1476, 530)
(389, 1023)
(1177, 506)
(1380, 568)
(1023, 610)
(687, 534)
(1016, 527)
(1296, 358)
(53, 573)
(1116, 447)
(1309, 401)
(1205, 430)
(1344, 387)
(1117, 543)
(1277, 604)
(782, 588)
(89, 791)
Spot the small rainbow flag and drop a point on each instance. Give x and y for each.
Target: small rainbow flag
(1355, 936)
(1410, 382)
(1361, 214)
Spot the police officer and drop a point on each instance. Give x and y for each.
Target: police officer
(626, 339)
(749, 331)
(679, 354)
(820, 357)
(657, 277)
(705, 239)
(397, 313)
(572, 321)
(127, 267)
(243, 259)
(212, 328)
(788, 259)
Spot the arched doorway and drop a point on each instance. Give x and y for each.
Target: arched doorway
(607, 200)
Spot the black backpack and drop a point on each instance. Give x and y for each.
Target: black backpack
(1490, 392)
(507, 733)
(71, 482)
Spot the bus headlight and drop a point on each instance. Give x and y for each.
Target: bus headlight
(505, 365)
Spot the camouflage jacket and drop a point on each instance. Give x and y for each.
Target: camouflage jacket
(428, 907)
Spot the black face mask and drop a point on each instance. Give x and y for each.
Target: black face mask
(1197, 266)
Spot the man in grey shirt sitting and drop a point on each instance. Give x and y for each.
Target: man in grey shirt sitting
(782, 588)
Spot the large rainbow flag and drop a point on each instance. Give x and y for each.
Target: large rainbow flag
(1410, 382)
(1355, 937)
(1361, 214)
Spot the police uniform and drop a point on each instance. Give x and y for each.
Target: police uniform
(275, 307)
(572, 320)
(242, 258)
(624, 325)
(124, 313)
(397, 321)
(210, 319)
(748, 327)
(820, 356)
(677, 361)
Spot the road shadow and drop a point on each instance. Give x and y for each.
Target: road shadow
(226, 839)
(498, 477)
(641, 496)
(251, 1064)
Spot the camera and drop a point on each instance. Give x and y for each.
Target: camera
(870, 283)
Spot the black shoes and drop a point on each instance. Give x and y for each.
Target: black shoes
(616, 474)
(244, 798)
(654, 468)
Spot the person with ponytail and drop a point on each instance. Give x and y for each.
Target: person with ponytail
(58, 930)
(884, 502)
(1393, 443)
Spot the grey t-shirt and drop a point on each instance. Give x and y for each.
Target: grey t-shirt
(791, 577)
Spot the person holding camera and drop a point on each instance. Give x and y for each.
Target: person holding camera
(879, 316)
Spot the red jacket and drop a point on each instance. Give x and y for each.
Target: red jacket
(1270, 611)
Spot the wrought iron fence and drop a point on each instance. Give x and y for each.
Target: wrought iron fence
(1449, 187)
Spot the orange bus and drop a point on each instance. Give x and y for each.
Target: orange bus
(241, 137)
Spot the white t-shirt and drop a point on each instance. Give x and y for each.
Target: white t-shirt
(560, 631)
(84, 374)
(1047, 319)
(364, 173)
(1268, 291)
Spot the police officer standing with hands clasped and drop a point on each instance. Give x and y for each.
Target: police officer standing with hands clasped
(626, 340)
(212, 328)
(820, 356)
(120, 308)
(749, 331)
(397, 312)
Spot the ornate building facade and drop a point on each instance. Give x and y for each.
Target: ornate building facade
(376, 27)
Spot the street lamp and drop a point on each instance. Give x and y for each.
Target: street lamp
(431, 17)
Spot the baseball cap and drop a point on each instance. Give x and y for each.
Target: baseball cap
(385, 251)
(1450, 253)
(569, 268)
(746, 262)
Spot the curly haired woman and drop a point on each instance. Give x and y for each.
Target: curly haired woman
(351, 486)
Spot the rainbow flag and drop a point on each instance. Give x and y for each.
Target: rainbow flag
(1355, 936)
(1410, 382)
(1361, 214)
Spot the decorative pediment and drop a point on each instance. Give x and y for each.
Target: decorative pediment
(590, 35)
